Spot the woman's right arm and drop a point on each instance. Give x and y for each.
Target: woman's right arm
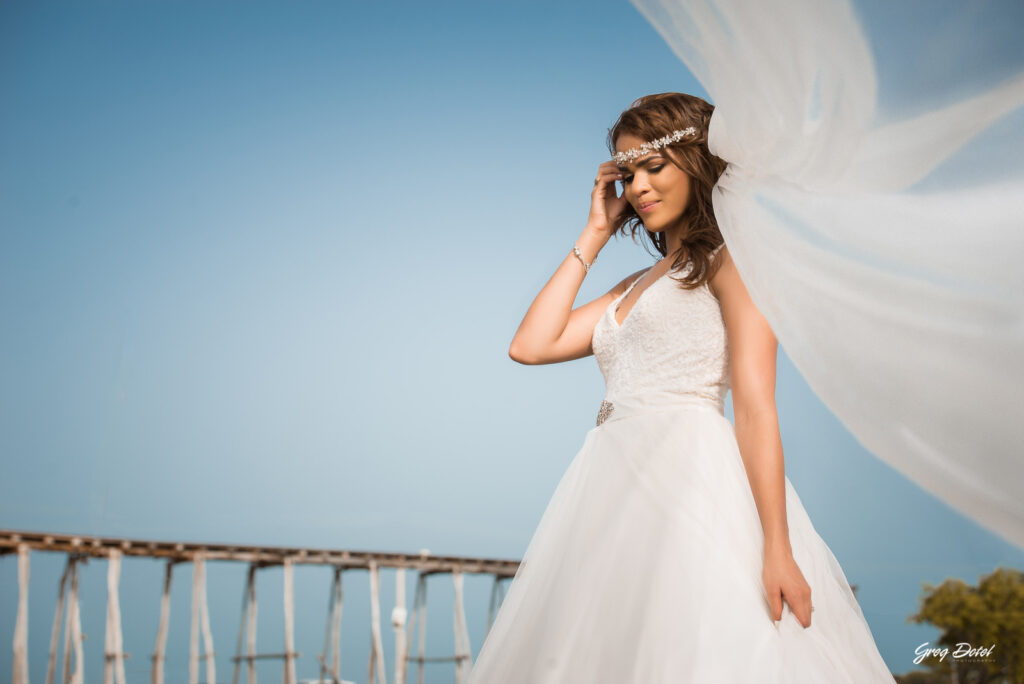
(552, 331)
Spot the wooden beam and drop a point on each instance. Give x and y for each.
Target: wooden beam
(184, 552)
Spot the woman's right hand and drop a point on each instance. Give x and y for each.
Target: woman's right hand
(605, 206)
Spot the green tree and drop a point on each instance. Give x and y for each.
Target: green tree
(988, 616)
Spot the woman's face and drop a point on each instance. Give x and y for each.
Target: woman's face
(657, 189)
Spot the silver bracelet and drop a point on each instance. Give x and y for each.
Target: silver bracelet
(579, 255)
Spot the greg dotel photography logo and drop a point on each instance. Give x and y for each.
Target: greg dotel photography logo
(963, 652)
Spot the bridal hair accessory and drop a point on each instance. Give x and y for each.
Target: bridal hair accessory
(647, 147)
(579, 255)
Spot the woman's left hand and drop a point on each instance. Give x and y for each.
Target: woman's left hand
(783, 580)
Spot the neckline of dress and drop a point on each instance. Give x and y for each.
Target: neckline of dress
(614, 306)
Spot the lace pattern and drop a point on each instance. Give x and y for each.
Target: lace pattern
(672, 341)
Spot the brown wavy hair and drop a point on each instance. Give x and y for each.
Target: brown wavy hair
(655, 116)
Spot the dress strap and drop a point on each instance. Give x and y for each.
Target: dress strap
(638, 279)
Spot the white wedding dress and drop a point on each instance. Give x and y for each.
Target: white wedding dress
(646, 565)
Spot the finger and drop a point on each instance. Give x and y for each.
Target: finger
(612, 189)
(613, 175)
(775, 605)
(808, 607)
(606, 178)
(801, 613)
(802, 609)
(620, 189)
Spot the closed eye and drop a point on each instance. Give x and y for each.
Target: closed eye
(652, 169)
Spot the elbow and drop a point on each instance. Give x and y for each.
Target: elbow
(517, 354)
(524, 356)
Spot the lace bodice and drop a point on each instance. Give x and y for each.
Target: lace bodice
(672, 346)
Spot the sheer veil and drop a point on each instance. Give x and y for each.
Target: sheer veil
(873, 204)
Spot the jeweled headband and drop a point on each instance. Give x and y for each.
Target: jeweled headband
(647, 147)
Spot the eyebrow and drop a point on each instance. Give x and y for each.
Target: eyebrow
(643, 162)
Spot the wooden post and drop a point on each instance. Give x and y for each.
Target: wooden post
(420, 609)
(160, 648)
(20, 666)
(247, 630)
(289, 622)
(73, 628)
(55, 631)
(332, 632)
(398, 616)
(200, 620)
(113, 639)
(376, 666)
(463, 653)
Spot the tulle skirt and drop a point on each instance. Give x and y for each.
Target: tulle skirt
(646, 568)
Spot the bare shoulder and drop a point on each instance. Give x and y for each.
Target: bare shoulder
(725, 275)
(743, 321)
(621, 286)
(738, 308)
(728, 287)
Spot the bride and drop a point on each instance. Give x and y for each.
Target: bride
(674, 548)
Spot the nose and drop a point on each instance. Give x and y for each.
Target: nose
(640, 184)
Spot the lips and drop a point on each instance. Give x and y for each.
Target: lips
(647, 206)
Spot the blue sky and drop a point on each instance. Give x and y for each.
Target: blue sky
(260, 264)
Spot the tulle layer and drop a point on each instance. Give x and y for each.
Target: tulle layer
(872, 206)
(646, 568)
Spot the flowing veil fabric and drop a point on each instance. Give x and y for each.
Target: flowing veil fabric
(879, 230)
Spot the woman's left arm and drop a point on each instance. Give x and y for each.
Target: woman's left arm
(752, 356)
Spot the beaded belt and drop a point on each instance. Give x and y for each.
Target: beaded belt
(655, 402)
